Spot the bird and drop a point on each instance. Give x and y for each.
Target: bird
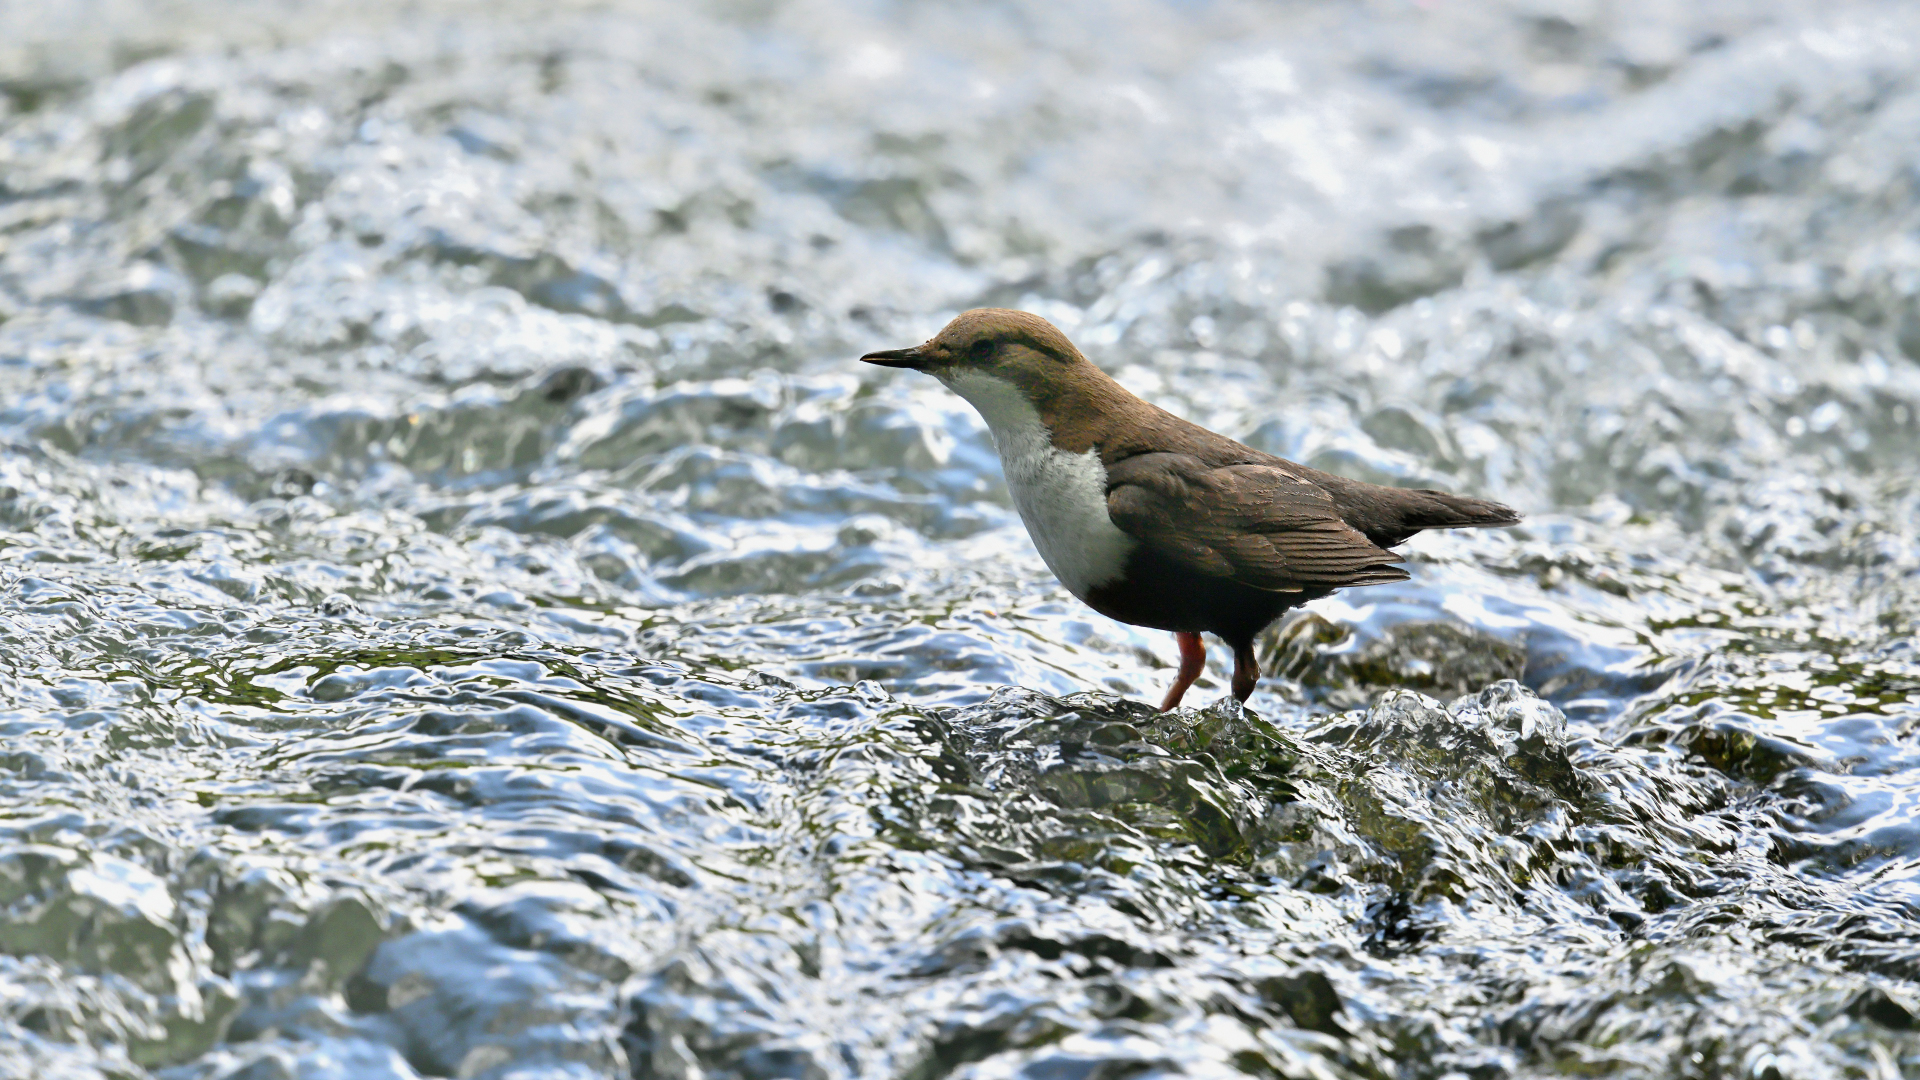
(1153, 520)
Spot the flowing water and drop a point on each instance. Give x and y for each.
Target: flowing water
(464, 611)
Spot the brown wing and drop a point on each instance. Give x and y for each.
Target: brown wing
(1257, 524)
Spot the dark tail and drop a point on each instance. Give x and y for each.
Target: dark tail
(1388, 516)
(1427, 509)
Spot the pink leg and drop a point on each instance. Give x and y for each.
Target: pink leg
(1193, 660)
(1246, 671)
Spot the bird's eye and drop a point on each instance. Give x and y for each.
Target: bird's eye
(981, 350)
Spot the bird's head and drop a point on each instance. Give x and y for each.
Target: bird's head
(1016, 346)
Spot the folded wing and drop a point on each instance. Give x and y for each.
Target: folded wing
(1257, 524)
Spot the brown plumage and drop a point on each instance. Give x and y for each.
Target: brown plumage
(1212, 535)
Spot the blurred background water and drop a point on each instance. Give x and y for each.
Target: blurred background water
(464, 611)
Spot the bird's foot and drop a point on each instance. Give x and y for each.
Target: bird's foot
(1246, 672)
(1193, 660)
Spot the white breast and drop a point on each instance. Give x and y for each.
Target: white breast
(1061, 497)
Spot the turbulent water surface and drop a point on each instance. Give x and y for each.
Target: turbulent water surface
(464, 611)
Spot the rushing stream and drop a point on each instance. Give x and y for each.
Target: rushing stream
(464, 611)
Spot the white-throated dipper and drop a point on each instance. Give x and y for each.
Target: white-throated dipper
(1156, 521)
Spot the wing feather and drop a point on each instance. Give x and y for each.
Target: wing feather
(1257, 524)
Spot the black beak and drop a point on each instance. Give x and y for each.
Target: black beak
(900, 358)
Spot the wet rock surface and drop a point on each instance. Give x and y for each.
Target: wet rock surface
(464, 611)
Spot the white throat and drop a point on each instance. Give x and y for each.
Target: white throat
(1061, 497)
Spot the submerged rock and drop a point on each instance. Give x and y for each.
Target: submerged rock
(1444, 659)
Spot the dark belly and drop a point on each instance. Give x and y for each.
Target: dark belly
(1156, 592)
